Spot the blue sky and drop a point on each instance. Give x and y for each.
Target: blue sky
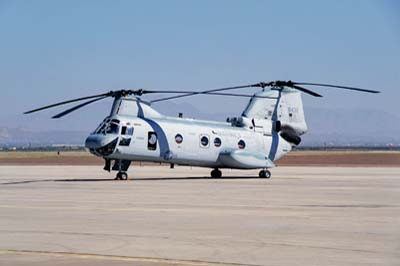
(56, 50)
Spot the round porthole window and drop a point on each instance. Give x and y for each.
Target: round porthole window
(217, 142)
(152, 139)
(241, 144)
(178, 138)
(204, 141)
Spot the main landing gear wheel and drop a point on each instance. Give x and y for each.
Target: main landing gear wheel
(264, 174)
(121, 176)
(216, 173)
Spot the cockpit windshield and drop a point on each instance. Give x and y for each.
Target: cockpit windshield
(112, 128)
(108, 126)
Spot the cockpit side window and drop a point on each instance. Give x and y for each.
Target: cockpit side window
(112, 128)
(129, 130)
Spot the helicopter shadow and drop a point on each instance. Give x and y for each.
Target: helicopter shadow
(66, 180)
(157, 179)
(55, 180)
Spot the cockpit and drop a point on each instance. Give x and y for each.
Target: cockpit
(110, 133)
(108, 126)
(112, 126)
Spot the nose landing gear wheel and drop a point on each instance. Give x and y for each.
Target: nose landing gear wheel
(264, 174)
(121, 176)
(216, 173)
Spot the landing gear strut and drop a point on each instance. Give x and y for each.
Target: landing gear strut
(216, 173)
(121, 176)
(121, 166)
(264, 174)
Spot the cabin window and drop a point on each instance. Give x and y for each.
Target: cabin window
(217, 142)
(152, 141)
(241, 144)
(204, 141)
(178, 138)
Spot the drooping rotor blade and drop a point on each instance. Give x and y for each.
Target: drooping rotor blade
(237, 95)
(207, 92)
(290, 84)
(141, 92)
(306, 91)
(335, 86)
(69, 101)
(77, 107)
(161, 92)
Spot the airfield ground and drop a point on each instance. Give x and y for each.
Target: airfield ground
(294, 158)
(52, 213)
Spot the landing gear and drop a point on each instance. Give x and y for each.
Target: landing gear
(216, 173)
(264, 174)
(121, 166)
(121, 176)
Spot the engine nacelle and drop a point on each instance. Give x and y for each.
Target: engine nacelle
(290, 135)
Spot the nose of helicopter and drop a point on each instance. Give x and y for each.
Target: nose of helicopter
(100, 144)
(96, 141)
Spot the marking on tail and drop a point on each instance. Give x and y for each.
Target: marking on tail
(275, 135)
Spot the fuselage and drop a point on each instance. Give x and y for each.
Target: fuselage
(185, 141)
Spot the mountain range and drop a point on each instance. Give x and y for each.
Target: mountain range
(327, 127)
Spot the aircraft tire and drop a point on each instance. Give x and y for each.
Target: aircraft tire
(216, 173)
(121, 176)
(124, 176)
(264, 174)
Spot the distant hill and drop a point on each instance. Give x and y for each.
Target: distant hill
(25, 137)
(330, 127)
(351, 127)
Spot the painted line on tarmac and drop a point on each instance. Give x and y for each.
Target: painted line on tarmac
(287, 211)
(118, 258)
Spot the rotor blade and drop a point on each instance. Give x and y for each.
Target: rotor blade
(306, 91)
(210, 93)
(69, 101)
(161, 92)
(77, 107)
(236, 95)
(335, 86)
(207, 92)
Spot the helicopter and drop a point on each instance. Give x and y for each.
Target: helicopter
(269, 127)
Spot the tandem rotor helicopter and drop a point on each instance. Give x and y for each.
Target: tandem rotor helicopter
(269, 127)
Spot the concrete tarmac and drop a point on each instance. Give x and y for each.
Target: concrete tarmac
(78, 215)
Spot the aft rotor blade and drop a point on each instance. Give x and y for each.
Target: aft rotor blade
(77, 107)
(335, 86)
(69, 101)
(207, 92)
(306, 91)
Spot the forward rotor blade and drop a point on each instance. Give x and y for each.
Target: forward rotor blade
(77, 107)
(237, 95)
(335, 86)
(207, 92)
(161, 92)
(306, 91)
(69, 101)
